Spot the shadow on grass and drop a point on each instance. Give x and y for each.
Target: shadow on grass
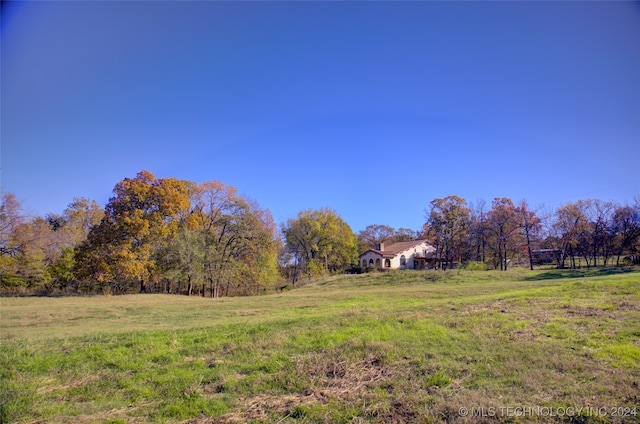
(581, 273)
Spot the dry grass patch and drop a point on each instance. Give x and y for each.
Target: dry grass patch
(343, 384)
(73, 384)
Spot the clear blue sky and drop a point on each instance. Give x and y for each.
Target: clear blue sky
(370, 108)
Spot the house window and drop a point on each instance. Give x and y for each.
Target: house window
(387, 263)
(370, 262)
(403, 260)
(378, 263)
(364, 263)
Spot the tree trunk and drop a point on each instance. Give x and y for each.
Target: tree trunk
(572, 257)
(529, 248)
(506, 260)
(499, 243)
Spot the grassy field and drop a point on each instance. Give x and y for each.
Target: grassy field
(454, 346)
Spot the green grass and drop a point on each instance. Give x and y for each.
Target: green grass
(390, 347)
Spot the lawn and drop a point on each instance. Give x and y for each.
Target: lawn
(406, 346)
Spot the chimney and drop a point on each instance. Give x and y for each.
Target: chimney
(380, 246)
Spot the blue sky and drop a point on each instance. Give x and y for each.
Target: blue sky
(371, 108)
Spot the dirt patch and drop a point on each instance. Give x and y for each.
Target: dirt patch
(586, 311)
(627, 306)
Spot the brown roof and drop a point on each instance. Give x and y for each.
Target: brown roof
(395, 248)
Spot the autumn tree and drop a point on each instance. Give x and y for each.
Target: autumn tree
(449, 219)
(184, 261)
(258, 263)
(504, 225)
(37, 252)
(626, 227)
(478, 232)
(30, 248)
(569, 225)
(531, 225)
(12, 216)
(80, 216)
(403, 234)
(69, 230)
(593, 229)
(238, 237)
(321, 242)
(375, 234)
(223, 243)
(34, 249)
(139, 220)
(600, 219)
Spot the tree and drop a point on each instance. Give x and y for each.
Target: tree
(600, 216)
(569, 226)
(61, 269)
(256, 248)
(626, 228)
(321, 241)
(503, 223)
(159, 233)
(375, 234)
(37, 253)
(184, 260)
(80, 216)
(530, 225)
(11, 217)
(139, 220)
(478, 232)
(449, 219)
(403, 234)
(68, 231)
(224, 241)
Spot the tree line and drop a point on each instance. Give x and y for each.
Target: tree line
(181, 237)
(154, 235)
(584, 233)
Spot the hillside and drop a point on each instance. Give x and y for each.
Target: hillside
(402, 346)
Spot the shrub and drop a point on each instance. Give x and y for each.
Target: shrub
(474, 266)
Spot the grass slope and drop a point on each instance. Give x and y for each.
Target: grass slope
(405, 346)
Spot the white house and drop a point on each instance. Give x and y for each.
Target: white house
(417, 254)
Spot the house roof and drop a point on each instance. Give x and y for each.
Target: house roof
(395, 248)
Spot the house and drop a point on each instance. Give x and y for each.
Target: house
(417, 254)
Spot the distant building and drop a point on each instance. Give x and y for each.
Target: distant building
(546, 256)
(417, 254)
